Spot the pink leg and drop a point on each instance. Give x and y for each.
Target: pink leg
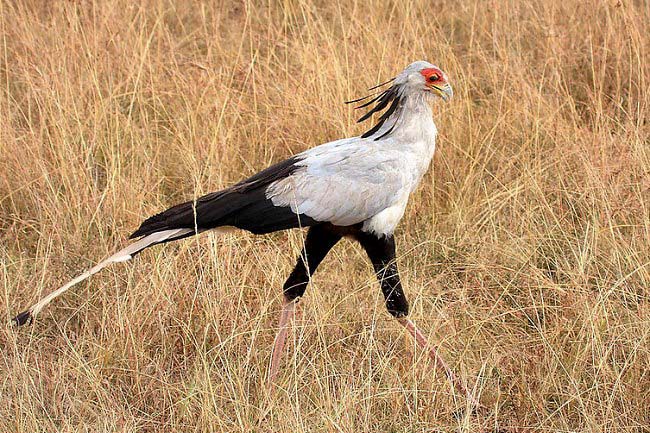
(440, 363)
(280, 338)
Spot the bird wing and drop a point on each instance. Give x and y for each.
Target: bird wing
(343, 182)
(243, 205)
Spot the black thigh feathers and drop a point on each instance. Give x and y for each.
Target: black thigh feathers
(243, 205)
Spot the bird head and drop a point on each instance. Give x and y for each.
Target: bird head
(418, 79)
(422, 76)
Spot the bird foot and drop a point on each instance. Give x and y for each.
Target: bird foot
(439, 361)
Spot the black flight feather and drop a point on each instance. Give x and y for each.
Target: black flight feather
(243, 205)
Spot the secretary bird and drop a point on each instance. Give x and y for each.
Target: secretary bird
(354, 187)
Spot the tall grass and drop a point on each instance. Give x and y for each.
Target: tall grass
(524, 253)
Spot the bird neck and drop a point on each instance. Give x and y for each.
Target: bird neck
(413, 119)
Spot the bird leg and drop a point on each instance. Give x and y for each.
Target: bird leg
(320, 239)
(435, 356)
(288, 308)
(381, 251)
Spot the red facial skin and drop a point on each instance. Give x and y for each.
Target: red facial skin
(433, 76)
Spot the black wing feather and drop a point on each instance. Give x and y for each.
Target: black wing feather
(243, 205)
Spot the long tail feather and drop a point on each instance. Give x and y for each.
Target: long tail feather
(121, 256)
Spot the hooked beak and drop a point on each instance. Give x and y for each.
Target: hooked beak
(444, 91)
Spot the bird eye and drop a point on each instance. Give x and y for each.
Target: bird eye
(433, 78)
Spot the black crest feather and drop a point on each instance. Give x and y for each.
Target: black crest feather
(381, 100)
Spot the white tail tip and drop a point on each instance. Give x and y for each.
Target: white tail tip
(121, 256)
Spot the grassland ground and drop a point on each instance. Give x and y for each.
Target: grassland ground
(524, 253)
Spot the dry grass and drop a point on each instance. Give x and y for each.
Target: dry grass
(525, 253)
